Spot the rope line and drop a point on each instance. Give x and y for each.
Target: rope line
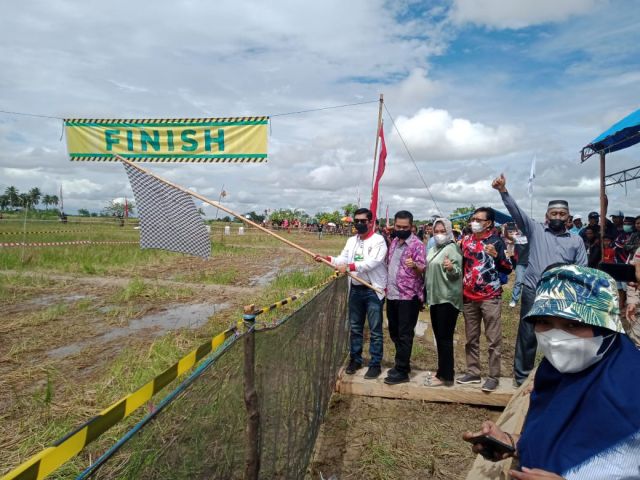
(62, 244)
(53, 457)
(48, 231)
(24, 114)
(292, 298)
(412, 159)
(323, 108)
(63, 450)
(203, 367)
(38, 115)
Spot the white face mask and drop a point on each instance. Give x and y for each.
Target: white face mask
(569, 353)
(440, 238)
(476, 227)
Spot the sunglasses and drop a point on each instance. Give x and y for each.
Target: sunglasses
(361, 220)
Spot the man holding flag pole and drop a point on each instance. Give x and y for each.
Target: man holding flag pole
(365, 254)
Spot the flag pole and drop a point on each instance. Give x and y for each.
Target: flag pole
(220, 199)
(241, 217)
(375, 151)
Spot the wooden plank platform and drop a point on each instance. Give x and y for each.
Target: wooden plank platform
(415, 390)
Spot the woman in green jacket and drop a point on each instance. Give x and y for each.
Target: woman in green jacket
(444, 293)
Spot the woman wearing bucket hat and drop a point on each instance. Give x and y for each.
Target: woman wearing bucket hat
(583, 420)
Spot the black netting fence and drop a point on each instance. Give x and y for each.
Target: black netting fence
(202, 433)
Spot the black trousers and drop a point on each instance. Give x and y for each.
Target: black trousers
(403, 316)
(526, 342)
(443, 321)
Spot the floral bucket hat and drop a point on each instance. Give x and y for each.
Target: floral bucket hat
(578, 293)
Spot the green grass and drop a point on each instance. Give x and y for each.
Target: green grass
(217, 277)
(138, 289)
(14, 287)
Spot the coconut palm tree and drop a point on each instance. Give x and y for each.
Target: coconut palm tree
(14, 196)
(54, 200)
(25, 200)
(46, 201)
(35, 195)
(4, 202)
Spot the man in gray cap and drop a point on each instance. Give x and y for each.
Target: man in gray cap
(549, 243)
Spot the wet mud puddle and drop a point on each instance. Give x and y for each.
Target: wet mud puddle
(155, 324)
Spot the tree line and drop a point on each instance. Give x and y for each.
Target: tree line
(12, 198)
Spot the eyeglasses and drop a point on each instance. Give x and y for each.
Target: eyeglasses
(476, 219)
(361, 220)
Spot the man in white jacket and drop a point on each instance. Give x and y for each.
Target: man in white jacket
(364, 254)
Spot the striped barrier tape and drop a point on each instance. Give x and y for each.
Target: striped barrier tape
(91, 469)
(292, 298)
(52, 458)
(49, 460)
(74, 220)
(62, 244)
(45, 231)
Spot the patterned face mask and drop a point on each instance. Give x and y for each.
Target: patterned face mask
(569, 353)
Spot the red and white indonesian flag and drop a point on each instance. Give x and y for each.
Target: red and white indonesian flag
(381, 166)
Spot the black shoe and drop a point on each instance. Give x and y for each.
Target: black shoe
(468, 378)
(490, 385)
(373, 371)
(396, 377)
(353, 367)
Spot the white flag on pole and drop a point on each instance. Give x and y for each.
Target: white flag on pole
(532, 176)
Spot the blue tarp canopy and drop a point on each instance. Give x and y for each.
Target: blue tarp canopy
(618, 137)
(500, 217)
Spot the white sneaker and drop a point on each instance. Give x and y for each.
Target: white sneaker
(512, 304)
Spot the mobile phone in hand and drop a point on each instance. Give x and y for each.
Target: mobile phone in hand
(492, 448)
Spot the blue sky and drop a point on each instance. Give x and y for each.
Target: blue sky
(477, 87)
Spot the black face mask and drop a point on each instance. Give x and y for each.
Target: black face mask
(403, 234)
(556, 225)
(362, 228)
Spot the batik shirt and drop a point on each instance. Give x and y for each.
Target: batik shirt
(480, 279)
(407, 282)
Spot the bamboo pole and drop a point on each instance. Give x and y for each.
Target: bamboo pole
(252, 431)
(375, 150)
(245, 220)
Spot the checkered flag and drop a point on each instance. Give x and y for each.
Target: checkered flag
(168, 217)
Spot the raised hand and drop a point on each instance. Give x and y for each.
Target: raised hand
(500, 183)
(447, 264)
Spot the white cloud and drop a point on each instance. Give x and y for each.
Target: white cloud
(237, 58)
(516, 14)
(433, 134)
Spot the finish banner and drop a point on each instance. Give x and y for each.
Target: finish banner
(197, 140)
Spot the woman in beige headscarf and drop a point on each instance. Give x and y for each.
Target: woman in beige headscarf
(444, 293)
